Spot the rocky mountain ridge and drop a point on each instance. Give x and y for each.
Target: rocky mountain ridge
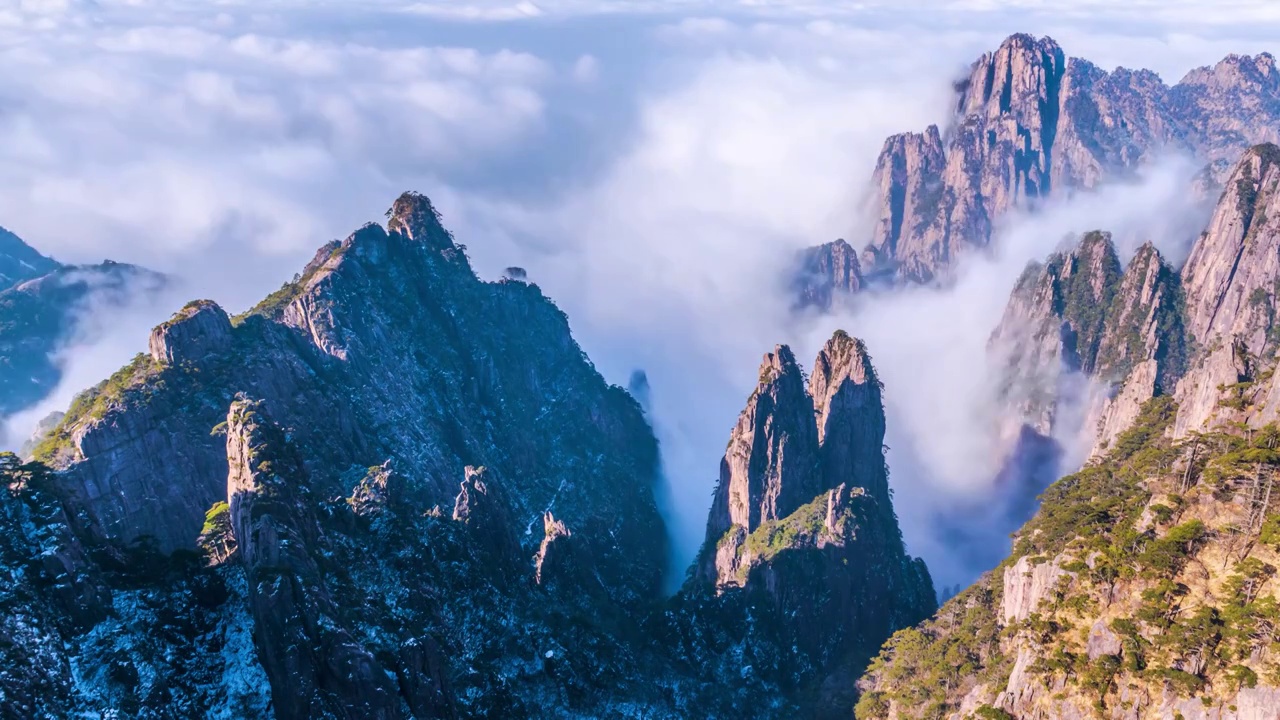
(20, 262)
(1030, 123)
(395, 490)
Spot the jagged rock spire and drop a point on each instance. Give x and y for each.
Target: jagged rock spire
(803, 527)
(1144, 321)
(826, 272)
(771, 464)
(850, 413)
(1029, 122)
(792, 443)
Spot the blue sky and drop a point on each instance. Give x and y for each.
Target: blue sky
(651, 163)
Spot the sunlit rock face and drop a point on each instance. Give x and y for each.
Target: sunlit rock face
(1030, 123)
(802, 533)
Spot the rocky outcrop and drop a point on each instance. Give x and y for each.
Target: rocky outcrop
(553, 558)
(826, 275)
(934, 197)
(1230, 281)
(850, 412)
(1144, 322)
(771, 465)
(1079, 316)
(1052, 329)
(1200, 393)
(316, 666)
(908, 184)
(1116, 413)
(380, 489)
(1231, 274)
(792, 443)
(1029, 123)
(1026, 584)
(1102, 641)
(1229, 105)
(387, 347)
(200, 329)
(802, 529)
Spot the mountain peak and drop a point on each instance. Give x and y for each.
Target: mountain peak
(413, 216)
(850, 415)
(1020, 78)
(199, 329)
(19, 261)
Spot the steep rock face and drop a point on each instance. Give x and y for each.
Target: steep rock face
(1108, 122)
(933, 199)
(1231, 103)
(481, 506)
(41, 314)
(198, 330)
(387, 347)
(911, 216)
(1029, 122)
(1144, 321)
(1231, 274)
(823, 574)
(1053, 327)
(1122, 599)
(775, 439)
(1230, 281)
(1078, 315)
(850, 412)
(316, 667)
(1025, 586)
(1118, 412)
(826, 274)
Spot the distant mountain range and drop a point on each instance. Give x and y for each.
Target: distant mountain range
(42, 306)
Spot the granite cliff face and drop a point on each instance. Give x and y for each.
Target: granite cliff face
(1030, 122)
(936, 196)
(802, 532)
(1231, 281)
(393, 490)
(1079, 317)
